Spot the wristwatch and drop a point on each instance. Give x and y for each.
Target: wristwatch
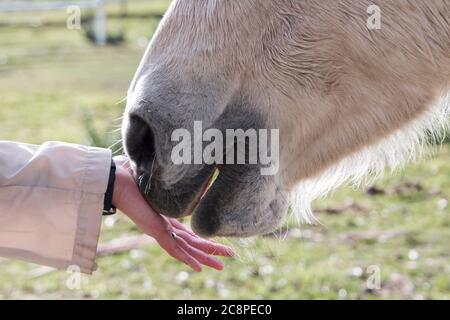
(108, 208)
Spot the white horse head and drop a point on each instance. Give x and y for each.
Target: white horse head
(347, 100)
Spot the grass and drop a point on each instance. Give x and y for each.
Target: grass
(51, 77)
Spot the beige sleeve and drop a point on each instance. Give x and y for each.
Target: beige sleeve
(51, 201)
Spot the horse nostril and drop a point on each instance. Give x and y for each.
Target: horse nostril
(140, 143)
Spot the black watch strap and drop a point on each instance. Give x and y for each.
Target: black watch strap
(108, 208)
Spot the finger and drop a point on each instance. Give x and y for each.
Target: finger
(162, 232)
(177, 224)
(199, 255)
(206, 245)
(172, 247)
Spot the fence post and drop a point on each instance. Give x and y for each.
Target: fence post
(100, 23)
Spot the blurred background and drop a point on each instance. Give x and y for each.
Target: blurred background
(60, 80)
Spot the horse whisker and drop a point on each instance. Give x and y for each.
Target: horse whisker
(115, 144)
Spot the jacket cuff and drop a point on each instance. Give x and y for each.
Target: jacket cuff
(90, 210)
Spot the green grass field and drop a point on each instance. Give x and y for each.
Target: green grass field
(51, 77)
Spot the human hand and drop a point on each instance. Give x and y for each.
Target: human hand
(175, 238)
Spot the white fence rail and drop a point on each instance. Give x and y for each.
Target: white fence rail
(33, 6)
(41, 6)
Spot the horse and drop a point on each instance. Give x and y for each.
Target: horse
(353, 86)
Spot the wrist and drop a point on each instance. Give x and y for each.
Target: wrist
(119, 183)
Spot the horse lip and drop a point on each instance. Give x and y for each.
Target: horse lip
(202, 193)
(138, 174)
